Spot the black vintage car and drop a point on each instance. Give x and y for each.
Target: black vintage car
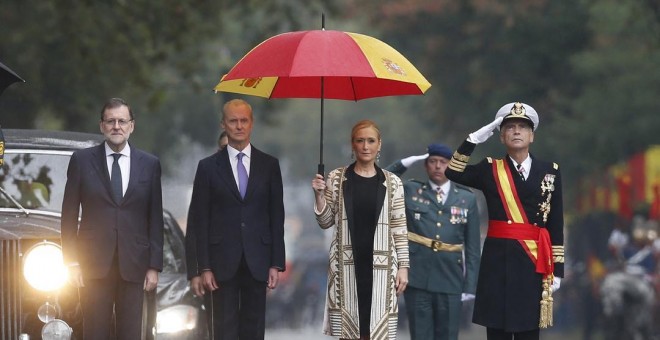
(36, 300)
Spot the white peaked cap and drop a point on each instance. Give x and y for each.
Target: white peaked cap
(518, 110)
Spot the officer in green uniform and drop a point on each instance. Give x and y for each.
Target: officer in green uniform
(444, 245)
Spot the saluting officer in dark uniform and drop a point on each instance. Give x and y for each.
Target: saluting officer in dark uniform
(443, 233)
(523, 254)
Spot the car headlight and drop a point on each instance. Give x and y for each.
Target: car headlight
(56, 330)
(43, 267)
(176, 318)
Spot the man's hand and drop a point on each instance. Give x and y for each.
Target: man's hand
(273, 277)
(485, 132)
(556, 282)
(151, 280)
(401, 280)
(208, 281)
(408, 161)
(197, 286)
(75, 276)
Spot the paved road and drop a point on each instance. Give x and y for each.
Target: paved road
(473, 333)
(313, 333)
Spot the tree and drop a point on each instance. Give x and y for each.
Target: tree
(155, 54)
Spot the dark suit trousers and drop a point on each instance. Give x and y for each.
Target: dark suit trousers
(239, 307)
(98, 298)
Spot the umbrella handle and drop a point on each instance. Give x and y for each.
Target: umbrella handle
(321, 169)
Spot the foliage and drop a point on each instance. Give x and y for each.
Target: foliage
(590, 67)
(617, 110)
(159, 55)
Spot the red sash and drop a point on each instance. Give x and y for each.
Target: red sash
(527, 232)
(535, 240)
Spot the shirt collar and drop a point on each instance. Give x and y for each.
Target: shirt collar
(233, 153)
(445, 187)
(526, 164)
(126, 151)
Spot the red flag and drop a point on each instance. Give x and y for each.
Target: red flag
(636, 168)
(625, 205)
(654, 211)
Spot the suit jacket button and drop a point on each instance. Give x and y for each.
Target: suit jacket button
(242, 224)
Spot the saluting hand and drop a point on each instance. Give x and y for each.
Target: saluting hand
(408, 161)
(485, 132)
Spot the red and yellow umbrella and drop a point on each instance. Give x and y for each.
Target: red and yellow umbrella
(323, 64)
(354, 66)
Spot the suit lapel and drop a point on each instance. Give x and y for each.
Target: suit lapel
(100, 165)
(225, 171)
(256, 169)
(136, 169)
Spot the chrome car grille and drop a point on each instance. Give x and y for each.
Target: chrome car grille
(10, 290)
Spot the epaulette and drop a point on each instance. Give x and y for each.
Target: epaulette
(555, 166)
(415, 181)
(490, 159)
(463, 187)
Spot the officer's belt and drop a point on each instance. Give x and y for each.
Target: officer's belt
(434, 244)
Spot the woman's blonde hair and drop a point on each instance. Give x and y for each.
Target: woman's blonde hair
(366, 123)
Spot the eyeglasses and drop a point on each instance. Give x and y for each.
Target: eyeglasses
(112, 122)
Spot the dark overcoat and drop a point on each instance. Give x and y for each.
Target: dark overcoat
(509, 288)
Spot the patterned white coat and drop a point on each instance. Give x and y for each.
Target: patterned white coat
(390, 254)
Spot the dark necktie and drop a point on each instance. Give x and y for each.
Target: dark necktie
(115, 179)
(242, 175)
(521, 171)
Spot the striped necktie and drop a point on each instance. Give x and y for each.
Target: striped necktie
(440, 195)
(521, 171)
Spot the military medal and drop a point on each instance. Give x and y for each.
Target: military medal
(547, 187)
(458, 215)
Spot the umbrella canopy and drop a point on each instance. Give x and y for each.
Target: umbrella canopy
(323, 64)
(353, 66)
(7, 77)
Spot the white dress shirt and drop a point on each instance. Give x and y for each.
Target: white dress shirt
(526, 165)
(445, 189)
(233, 159)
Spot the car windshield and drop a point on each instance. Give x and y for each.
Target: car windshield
(34, 178)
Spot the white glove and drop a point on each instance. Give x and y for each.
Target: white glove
(485, 132)
(408, 161)
(467, 297)
(556, 282)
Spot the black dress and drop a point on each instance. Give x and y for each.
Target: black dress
(365, 218)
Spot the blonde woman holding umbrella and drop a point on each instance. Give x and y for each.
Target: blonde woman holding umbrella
(368, 266)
